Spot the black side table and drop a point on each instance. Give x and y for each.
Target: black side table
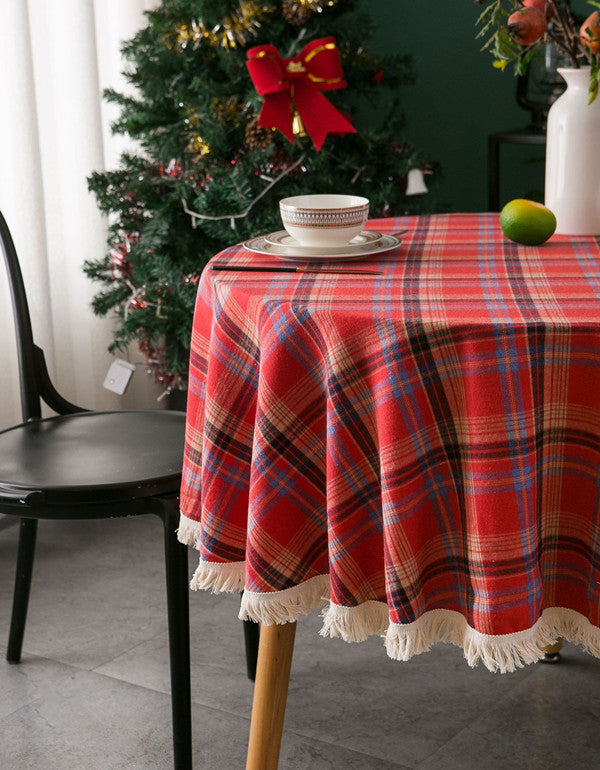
(527, 135)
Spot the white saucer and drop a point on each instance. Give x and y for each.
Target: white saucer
(283, 238)
(260, 245)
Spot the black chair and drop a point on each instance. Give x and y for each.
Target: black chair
(82, 464)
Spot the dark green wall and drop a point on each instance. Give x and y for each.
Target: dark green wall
(458, 100)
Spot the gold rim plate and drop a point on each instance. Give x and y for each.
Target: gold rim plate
(283, 238)
(260, 245)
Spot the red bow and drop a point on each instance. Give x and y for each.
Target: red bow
(298, 81)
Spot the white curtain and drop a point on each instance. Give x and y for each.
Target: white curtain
(55, 60)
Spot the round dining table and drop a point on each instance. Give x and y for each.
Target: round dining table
(409, 441)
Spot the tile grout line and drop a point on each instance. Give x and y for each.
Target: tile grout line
(345, 748)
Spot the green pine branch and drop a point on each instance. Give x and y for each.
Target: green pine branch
(190, 115)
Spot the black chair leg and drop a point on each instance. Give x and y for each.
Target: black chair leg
(251, 638)
(176, 563)
(25, 555)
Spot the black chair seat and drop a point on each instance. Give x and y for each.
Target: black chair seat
(91, 457)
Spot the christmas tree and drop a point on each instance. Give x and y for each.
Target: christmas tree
(215, 156)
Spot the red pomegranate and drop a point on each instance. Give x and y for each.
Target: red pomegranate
(590, 32)
(527, 25)
(542, 5)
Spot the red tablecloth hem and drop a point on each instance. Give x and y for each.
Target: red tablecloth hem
(285, 606)
(499, 653)
(502, 653)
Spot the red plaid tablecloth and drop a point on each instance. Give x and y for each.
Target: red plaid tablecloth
(419, 450)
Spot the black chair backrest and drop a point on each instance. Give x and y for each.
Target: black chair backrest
(30, 396)
(33, 374)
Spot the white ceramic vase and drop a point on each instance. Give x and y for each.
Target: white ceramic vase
(573, 157)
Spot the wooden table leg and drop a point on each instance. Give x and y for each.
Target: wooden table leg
(270, 694)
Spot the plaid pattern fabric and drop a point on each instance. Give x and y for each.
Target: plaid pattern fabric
(429, 437)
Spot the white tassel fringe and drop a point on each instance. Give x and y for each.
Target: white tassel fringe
(219, 577)
(355, 624)
(189, 532)
(498, 653)
(285, 606)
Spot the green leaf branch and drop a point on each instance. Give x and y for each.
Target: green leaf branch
(561, 30)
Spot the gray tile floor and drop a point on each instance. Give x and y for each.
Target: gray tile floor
(91, 692)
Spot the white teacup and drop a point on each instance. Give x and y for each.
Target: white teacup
(324, 220)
